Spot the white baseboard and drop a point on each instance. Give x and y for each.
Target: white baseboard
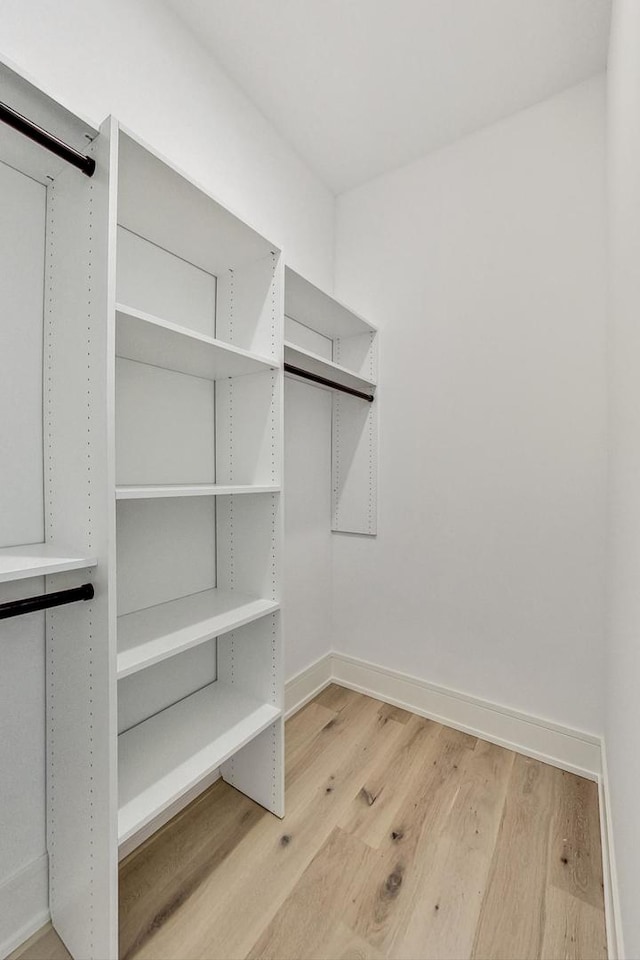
(24, 904)
(571, 750)
(306, 684)
(615, 943)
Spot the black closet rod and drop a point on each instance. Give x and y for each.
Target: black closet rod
(46, 139)
(16, 608)
(316, 378)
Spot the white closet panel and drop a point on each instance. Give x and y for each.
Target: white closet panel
(22, 233)
(158, 282)
(165, 426)
(144, 694)
(166, 550)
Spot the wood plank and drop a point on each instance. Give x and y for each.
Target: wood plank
(308, 916)
(378, 904)
(512, 916)
(573, 929)
(376, 806)
(303, 727)
(45, 944)
(453, 863)
(396, 713)
(575, 855)
(162, 873)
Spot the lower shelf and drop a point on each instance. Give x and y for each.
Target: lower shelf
(167, 755)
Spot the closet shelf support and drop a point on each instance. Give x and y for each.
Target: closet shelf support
(47, 140)
(325, 382)
(16, 608)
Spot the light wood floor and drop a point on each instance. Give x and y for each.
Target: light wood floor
(403, 838)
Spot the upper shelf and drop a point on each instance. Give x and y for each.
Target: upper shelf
(38, 560)
(309, 305)
(163, 204)
(148, 339)
(313, 363)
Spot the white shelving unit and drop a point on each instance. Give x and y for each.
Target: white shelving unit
(326, 339)
(163, 418)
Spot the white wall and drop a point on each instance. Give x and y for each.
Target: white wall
(135, 59)
(483, 264)
(307, 475)
(132, 58)
(623, 640)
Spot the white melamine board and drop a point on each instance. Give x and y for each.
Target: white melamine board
(37, 560)
(249, 658)
(359, 354)
(166, 550)
(312, 363)
(23, 154)
(80, 510)
(158, 202)
(248, 437)
(148, 636)
(300, 336)
(249, 544)
(22, 235)
(22, 744)
(249, 306)
(310, 306)
(144, 694)
(162, 491)
(257, 770)
(164, 757)
(155, 281)
(148, 339)
(354, 465)
(164, 426)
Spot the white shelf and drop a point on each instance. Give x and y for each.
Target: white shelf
(157, 633)
(160, 343)
(163, 758)
(162, 491)
(313, 363)
(314, 308)
(38, 560)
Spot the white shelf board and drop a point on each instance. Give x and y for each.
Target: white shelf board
(167, 755)
(157, 633)
(313, 363)
(160, 343)
(314, 308)
(38, 560)
(163, 491)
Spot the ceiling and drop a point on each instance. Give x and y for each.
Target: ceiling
(360, 87)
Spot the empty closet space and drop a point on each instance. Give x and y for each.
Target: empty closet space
(319, 512)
